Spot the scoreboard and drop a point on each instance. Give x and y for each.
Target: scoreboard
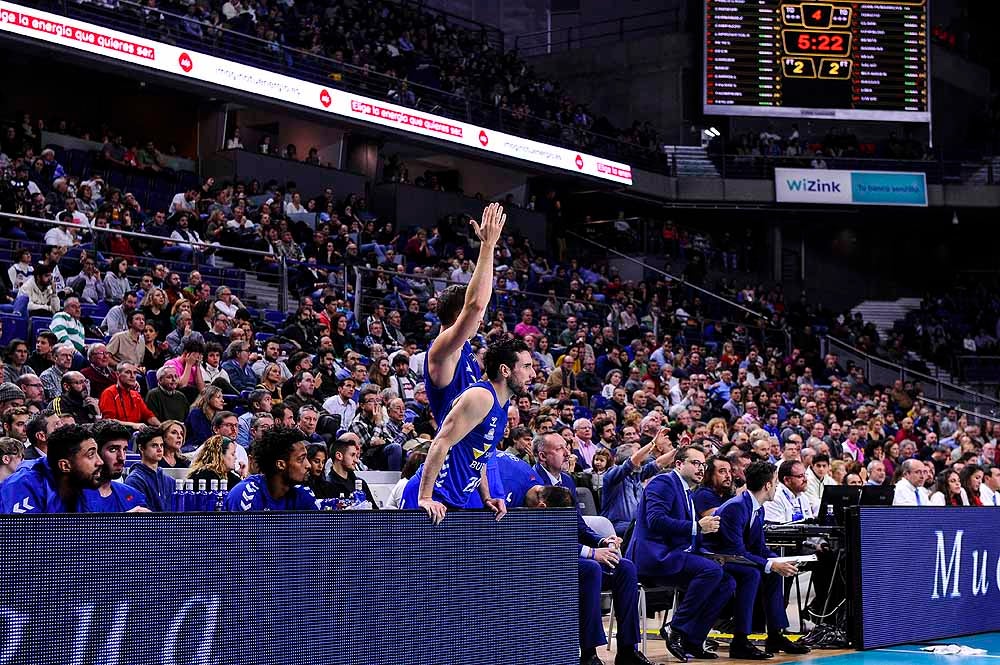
(831, 59)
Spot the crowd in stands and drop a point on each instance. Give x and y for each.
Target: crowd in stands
(406, 54)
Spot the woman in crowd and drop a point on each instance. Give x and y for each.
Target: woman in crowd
(317, 455)
(199, 420)
(972, 479)
(180, 305)
(543, 355)
(174, 434)
(116, 283)
(215, 461)
(613, 379)
(413, 462)
(341, 337)
(156, 351)
(891, 459)
(948, 490)
(270, 380)
(381, 373)
(154, 308)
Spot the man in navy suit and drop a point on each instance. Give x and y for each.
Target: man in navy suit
(741, 533)
(665, 546)
(601, 566)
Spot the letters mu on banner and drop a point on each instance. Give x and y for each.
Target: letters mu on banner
(949, 560)
(850, 187)
(43, 26)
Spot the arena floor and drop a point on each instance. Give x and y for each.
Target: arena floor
(907, 654)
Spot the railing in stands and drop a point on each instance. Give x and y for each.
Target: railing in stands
(597, 33)
(883, 372)
(166, 26)
(235, 278)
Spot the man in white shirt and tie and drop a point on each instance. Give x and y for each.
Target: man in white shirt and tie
(790, 504)
(989, 491)
(910, 488)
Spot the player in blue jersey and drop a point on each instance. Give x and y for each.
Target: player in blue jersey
(456, 462)
(449, 365)
(55, 483)
(112, 496)
(283, 461)
(511, 480)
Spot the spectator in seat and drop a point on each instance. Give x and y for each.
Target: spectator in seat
(972, 480)
(317, 482)
(38, 429)
(948, 490)
(117, 318)
(216, 460)
(199, 420)
(41, 292)
(305, 387)
(343, 403)
(399, 431)
(790, 503)
(910, 487)
(11, 397)
(237, 367)
(15, 362)
(147, 477)
(116, 282)
(15, 422)
(56, 484)
(75, 400)
(403, 381)
(182, 332)
(11, 456)
(43, 356)
(123, 403)
(376, 449)
(174, 434)
(989, 490)
(716, 488)
(282, 457)
(89, 284)
(345, 452)
(306, 420)
(622, 484)
(21, 270)
(272, 354)
(34, 392)
(130, 345)
(63, 356)
(165, 401)
(112, 496)
(67, 326)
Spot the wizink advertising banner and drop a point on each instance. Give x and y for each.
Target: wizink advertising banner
(82, 36)
(928, 573)
(351, 587)
(850, 187)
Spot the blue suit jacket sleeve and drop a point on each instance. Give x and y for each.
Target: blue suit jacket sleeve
(732, 535)
(662, 504)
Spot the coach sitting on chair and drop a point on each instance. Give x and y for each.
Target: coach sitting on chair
(665, 546)
(741, 533)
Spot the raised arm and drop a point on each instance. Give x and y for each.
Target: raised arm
(442, 354)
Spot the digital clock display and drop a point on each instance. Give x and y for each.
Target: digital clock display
(835, 59)
(799, 42)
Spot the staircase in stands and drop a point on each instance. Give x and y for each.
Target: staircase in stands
(693, 162)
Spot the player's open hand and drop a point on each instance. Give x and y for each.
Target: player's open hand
(498, 506)
(435, 509)
(491, 227)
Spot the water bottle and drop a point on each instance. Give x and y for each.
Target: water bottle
(201, 498)
(341, 502)
(359, 500)
(831, 519)
(213, 495)
(190, 498)
(177, 499)
(223, 493)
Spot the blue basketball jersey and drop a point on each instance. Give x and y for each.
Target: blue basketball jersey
(441, 397)
(462, 470)
(514, 477)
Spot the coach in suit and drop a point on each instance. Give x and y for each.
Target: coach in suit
(665, 546)
(741, 533)
(601, 566)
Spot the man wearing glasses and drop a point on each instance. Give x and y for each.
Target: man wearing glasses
(790, 504)
(34, 391)
(665, 546)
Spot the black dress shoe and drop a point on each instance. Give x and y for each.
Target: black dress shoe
(782, 643)
(747, 651)
(592, 660)
(632, 658)
(699, 652)
(675, 644)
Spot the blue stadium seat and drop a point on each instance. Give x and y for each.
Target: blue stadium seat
(151, 381)
(37, 324)
(13, 327)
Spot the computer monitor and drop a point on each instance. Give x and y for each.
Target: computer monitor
(839, 497)
(876, 495)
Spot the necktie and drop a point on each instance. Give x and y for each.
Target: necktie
(994, 498)
(694, 529)
(916, 490)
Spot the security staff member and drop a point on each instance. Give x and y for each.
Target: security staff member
(741, 533)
